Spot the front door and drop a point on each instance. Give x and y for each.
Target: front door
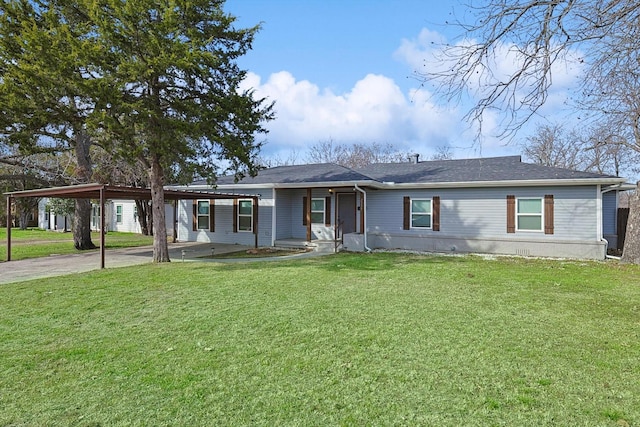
(347, 212)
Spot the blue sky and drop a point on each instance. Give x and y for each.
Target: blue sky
(343, 70)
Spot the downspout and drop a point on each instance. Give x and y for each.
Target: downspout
(364, 226)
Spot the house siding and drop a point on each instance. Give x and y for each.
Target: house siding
(224, 223)
(298, 229)
(284, 214)
(129, 222)
(609, 217)
(474, 220)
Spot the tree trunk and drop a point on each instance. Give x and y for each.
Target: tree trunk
(82, 215)
(82, 225)
(160, 245)
(24, 219)
(143, 208)
(631, 251)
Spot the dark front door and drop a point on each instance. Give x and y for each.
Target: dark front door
(347, 212)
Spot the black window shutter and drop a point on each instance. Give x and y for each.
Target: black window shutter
(436, 213)
(212, 216)
(304, 210)
(406, 223)
(327, 210)
(548, 214)
(511, 214)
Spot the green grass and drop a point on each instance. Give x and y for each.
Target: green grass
(382, 339)
(35, 243)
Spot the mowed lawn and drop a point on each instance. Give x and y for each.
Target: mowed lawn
(34, 243)
(347, 339)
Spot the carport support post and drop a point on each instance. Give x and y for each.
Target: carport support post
(102, 224)
(9, 202)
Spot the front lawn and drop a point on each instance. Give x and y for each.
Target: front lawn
(347, 339)
(35, 243)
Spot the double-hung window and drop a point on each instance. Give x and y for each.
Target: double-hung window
(118, 214)
(245, 215)
(317, 211)
(529, 214)
(203, 214)
(421, 213)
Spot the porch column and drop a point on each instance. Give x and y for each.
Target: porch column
(308, 214)
(9, 202)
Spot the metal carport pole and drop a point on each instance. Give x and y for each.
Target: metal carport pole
(9, 202)
(102, 224)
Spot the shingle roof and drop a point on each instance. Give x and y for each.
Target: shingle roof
(492, 169)
(312, 173)
(469, 170)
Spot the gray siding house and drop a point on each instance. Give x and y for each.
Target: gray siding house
(492, 205)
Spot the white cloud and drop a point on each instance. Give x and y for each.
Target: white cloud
(376, 109)
(373, 110)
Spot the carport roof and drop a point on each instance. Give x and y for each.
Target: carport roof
(92, 191)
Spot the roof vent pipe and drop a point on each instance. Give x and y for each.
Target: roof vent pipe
(414, 158)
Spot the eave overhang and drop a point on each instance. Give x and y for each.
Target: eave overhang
(395, 186)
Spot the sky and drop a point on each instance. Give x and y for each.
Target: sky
(345, 71)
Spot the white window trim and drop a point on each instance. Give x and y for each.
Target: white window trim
(250, 230)
(541, 215)
(420, 213)
(324, 210)
(198, 215)
(121, 213)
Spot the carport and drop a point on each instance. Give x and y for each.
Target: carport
(104, 192)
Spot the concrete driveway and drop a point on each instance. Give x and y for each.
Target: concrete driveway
(58, 265)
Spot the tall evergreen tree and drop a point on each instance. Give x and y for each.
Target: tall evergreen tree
(49, 88)
(177, 100)
(156, 80)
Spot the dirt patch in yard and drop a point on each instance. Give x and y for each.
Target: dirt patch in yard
(257, 253)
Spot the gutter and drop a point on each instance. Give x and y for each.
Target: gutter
(364, 226)
(511, 183)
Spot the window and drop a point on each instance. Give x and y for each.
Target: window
(420, 213)
(118, 214)
(317, 211)
(245, 215)
(529, 214)
(203, 215)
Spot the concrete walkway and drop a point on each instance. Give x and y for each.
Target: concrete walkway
(58, 265)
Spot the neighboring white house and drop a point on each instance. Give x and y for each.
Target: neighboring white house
(492, 205)
(120, 215)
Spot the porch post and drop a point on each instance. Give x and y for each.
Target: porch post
(102, 224)
(9, 202)
(308, 214)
